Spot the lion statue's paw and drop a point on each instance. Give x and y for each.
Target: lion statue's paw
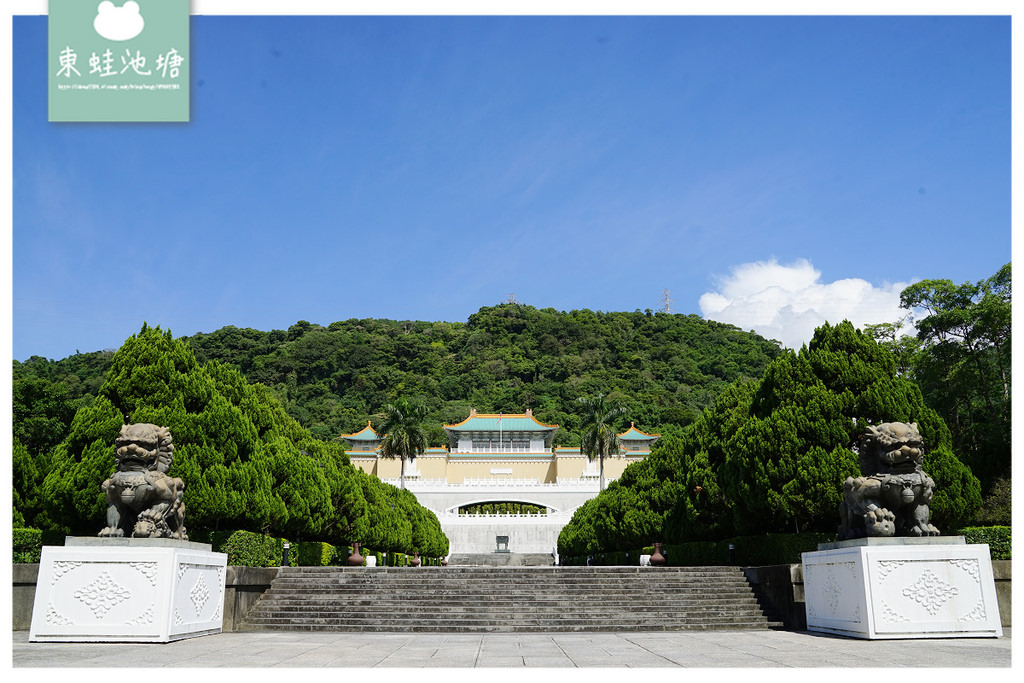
(880, 522)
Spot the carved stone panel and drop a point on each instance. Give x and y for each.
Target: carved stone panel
(935, 590)
(142, 594)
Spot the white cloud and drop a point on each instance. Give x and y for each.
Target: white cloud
(786, 302)
(118, 23)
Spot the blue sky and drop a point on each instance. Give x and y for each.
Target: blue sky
(772, 172)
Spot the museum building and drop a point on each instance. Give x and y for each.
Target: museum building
(492, 458)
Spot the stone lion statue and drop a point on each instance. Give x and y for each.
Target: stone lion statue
(142, 501)
(892, 496)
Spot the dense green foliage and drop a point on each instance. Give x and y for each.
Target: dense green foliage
(246, 548)
(246, 464)
(318, 554)
(996, 508)
(998, 539)
(771, 456)
(961, 360)
(28, 544)
(664, 369)
(748, 551)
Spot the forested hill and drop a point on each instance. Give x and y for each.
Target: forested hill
(665, 368)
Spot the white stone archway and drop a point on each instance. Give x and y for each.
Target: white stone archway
(477, 533)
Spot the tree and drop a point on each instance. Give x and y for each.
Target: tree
(404, 435)
(771, 456)
(42, 413)
(599, 438)
(964, 364)
(245, 463)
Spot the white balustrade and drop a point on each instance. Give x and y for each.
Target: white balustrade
(499, 482)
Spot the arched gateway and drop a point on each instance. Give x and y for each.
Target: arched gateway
(495, 459)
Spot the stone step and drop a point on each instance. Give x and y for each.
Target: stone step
(491, 580)
(453, 599)
(461, 626)
(484, 587)
(501, 560)
(435, 597)
(612, 569)
(450, 593)
(497, 581)
(634, 598)
(553, 606)
(437, 620)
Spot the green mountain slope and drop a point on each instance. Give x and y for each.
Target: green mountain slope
(664, 368)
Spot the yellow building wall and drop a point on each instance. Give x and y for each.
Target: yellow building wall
(455, 471)
(460, 470)
(389, 468)
(366, 465)
(571, 467)
(615, 466)
(551, 477)
(432, 467)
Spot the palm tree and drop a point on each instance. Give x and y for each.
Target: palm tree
(404, 436)
(599, 437)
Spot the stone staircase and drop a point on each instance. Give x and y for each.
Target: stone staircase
(513, 599)
(501, 560)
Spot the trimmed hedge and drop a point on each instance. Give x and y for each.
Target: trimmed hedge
(765, 549)
(243, 548)
(750, 551)
(249, 549)
(316, 553)
(997, 537)
(769, 549)
(28, 545)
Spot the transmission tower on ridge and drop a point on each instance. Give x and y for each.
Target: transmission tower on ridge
(666, 302)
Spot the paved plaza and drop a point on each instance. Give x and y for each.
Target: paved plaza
(551, 650)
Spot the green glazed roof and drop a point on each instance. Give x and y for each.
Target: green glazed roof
(365, 434)
(634, 434)
(506, 423)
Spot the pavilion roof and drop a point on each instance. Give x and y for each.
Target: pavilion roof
(634, 434)
(364, 434)
(508, 422)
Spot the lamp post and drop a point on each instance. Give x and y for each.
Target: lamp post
(284, 554)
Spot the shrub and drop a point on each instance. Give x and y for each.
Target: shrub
(750, 551)
(996, 509)
(695, 553)
(768, 549)
(997, 537)
(248, 549)
(28, 545)
(316, 553)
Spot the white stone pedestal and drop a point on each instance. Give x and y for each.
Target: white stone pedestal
(128, 590)
(901, 588)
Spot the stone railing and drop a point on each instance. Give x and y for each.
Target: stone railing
(584, 482)
(500, 481)
(499, 515)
